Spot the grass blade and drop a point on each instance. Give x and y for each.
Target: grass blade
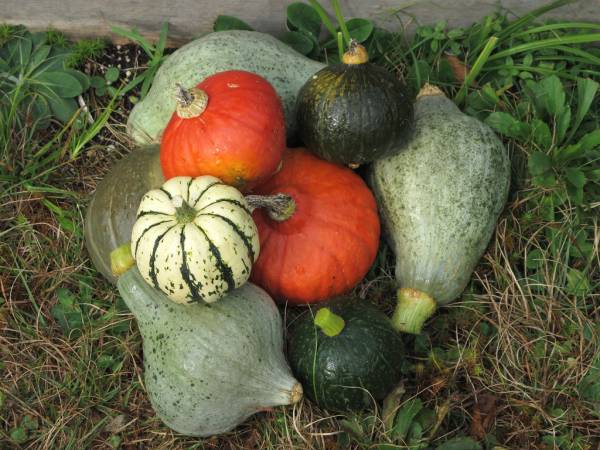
(340, 18)
(324, 16)
(545, 43)
(477, 67)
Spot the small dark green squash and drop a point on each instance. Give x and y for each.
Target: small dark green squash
(354, 112)
(112, 212)
(346, 355)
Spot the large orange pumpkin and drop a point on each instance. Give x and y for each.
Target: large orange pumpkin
(230, 126)
(330, 240)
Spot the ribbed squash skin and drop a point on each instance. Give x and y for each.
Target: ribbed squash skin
(440, 197)
(208, 368)
(112, 212)
(367, 353)
(353, 114)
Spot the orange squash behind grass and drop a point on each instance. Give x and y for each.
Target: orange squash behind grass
(230, 126)
(330, 240)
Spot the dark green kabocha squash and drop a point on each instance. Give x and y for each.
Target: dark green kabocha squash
(354, 112)
(346, 354)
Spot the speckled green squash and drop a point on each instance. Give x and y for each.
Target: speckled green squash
(440, 197)
(352, 369)
(354, 113)
(208, 368)
(112, 212)
(283, 67)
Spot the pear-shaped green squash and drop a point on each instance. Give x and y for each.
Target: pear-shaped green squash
(439, 196)
(208, 368)
(112, 212)
(260, 53)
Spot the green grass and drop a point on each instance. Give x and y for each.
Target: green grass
(513, 363)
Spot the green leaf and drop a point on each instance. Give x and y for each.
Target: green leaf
(67, 312)
(589, 387)
(575, 176)
(360, 29)
(83, 79)
(19, 435)
(577, 283)
(405, 417)
(225, 22)
(586, 91)
(562, 123)
(112, 74)
(303, 17)
(460, 443)
(554, 95)
(590, 141)
(62, 108)
(61, 84)
(542, 135)
(298, 41)
(39, 56)
(538, 163)
(97, 82)
(535, 259)
(508, 125)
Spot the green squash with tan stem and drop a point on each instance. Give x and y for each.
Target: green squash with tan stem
(207, 368)
(439, 197)
(262, 54)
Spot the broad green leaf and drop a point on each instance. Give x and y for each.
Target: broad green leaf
(112, 74)
(97, 82)
(568, 153)
(586, 91)
(61, 84)
(298, 41)
(225, 22)
(67, 311)
(562, 123)
(589, 387)
(460, 443)
(83, 79)
(404, 419)
(577, 283)
(575, 176)
(538, 163)
(590, 141)
(303, 17)
(542, 135)
(62, 108)
(535, 259)
(23, 50)
(39, 56)
(360, 29)
(507, 125)
(554, 95)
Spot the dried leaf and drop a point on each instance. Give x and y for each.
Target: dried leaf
(459, 68)
(484, 415)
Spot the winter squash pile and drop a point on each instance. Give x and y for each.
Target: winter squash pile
(220, 219)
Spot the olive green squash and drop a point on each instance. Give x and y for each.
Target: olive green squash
(354, 112)
(439, 198)
(346, 354)
(260, 53)
(112, 212)
(209, 367)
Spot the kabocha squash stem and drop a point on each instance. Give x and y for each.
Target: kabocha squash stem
(413, 309)
(279, 207)
(330, 323)
(356, 54)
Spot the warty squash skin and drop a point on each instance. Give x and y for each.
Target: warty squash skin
(208, 368)
(439, 198)
(112, 212)
(283, 67)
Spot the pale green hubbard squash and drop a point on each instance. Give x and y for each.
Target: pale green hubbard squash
(286, 69)
(439, 197)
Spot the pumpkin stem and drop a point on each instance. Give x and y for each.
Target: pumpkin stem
(296, 394)
(356, 54)
(121, 259)
(330, 323)
(280, 206)
(184, 213)
(428, 90)
(413, 309)
(190, 102)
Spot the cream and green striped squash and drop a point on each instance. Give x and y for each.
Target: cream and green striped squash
(194, 239)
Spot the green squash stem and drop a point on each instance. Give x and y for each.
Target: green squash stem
(280, 206)
(413, 309)
(121, 259)
(330, 323)
(184, 213)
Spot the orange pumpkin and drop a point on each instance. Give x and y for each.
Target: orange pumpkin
(330, 240)
(230, 126)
